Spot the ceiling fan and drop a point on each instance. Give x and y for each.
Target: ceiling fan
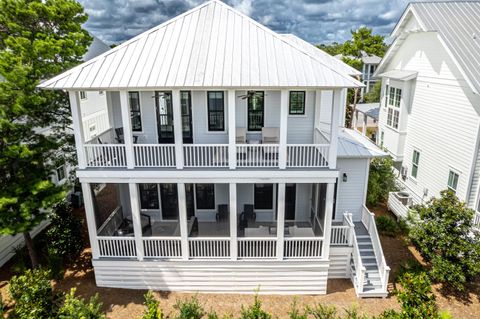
(250, 94)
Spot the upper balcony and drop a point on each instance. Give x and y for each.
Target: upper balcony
(230, 129)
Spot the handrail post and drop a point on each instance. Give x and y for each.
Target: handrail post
(385, 278)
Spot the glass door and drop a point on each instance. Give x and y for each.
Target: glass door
(290, 200)
(163, 105)
(190, 199)
(169, 198)
(186, 104)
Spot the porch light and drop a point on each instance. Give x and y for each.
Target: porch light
(344, 177)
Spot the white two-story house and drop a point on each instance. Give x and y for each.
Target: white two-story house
(226, 162)
(430, 107)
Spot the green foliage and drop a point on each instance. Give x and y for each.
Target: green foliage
(445, 237)
(295, 313)
(77, 308)
(353, 62)
(374, 95)
(352, 313)
(33, 294)
(320, 311)
(416, 297)
(254, 311)
(333, 49)
(2, 307)
(152, 310)
(381, 181)
(387, 225)
(189, 309)
(363, 39)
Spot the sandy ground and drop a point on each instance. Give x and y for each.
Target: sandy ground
(122, 303)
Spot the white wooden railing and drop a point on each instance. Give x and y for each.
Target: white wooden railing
(358, 277)
(162, 247)
(476, 219)
(113, 246)
(307, 155)
(154, 155)
(303, 248)
(205, 155)
(105, 155)
(368, 220)
(209, 247)
(257, 155)
(257, 247)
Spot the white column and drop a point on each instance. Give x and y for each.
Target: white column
(127, 128)
(282, 148)
(177, 128)
(327, 228)
(233, 220)
(232, 126)
(78, 128)
(280, 220)
(137, 224)
(343, 113)
(182, 219)
(364, 124)
(91, 223)
(336, 106)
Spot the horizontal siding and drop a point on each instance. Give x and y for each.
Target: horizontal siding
(300, 127)
(351, 194)
(339, 262)
(228, 277)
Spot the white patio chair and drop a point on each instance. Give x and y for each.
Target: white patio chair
(270, 135)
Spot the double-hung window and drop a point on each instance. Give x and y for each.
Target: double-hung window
(255, 111)
(297, 103)
(452, 180)
(415, 162)
(216, 111)
(135, 113)
(393, 107)
(205, 196)
(61, 173)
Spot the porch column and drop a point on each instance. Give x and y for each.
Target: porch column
(364, 124)
(137, 224)
(127, 129)
(327, 228)
(282, 147)
(232, 127)
(233, 220)
(336, 107)
(177, 128)
(78, 128)
(280, 220)
(182, 218)
(91, 224)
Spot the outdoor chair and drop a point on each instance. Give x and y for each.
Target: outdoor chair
(242, 222)
(222, 213)
(120, 138)
(241, 135)
(249, 212)
(270, 135)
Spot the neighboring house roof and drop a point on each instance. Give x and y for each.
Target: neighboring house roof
(96, 48)
(371, 59)
(212, 45)
(352, 144)
(457, 25)
(402, 75)
(321, 55)
(370, 109)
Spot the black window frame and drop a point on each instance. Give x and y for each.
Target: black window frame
(260, 198)
(135, 113)
(205, 196)
(258, 126)
(149, 189)
(61, 172)
(211, 112)
(290, 112)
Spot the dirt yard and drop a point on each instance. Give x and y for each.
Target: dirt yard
(121, 303)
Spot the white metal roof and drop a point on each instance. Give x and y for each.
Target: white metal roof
(321, 55)
(402, 75)
(352, 144)
(458, 25)
(370, 109)
(212, 45)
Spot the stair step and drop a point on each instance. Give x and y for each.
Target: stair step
(367, 253)
(362, 236)
(365, 248)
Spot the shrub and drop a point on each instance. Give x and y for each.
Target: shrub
(416, 297)
(32, 293)
(254, 311)
(387, 225)
(2, 307)
(77, 308)
(381, 181)
(189, 309)
(445, 238)
(320, 311)
(352, 313)
(152, 310)
(295, 313)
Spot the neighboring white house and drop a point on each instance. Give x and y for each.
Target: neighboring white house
(430, 106)
(369, 66)
(365, 119)
(226, 161)
(94, 116)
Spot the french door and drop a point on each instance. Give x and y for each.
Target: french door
(164, 110)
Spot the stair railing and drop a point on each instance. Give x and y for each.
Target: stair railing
(360, 269)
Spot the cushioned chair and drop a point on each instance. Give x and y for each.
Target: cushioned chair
(249, 212)
(242, 222)
(222, 213)
(270, 135)
(120, 136)
(241, 135)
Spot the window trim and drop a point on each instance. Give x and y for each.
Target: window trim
(290, 103)
(139, 111)
(209, 130)
(455, 172)
(263, 113)
(196, 198)
(64, 173)
(393, 110)
(415, 164)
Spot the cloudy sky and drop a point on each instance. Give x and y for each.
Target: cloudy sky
(317, 21)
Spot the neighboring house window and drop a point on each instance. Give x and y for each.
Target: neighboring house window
(297, 103)
(452, 181)
(83, 95)
(263, 196)
(415, 161)
(382, 137)
(61, 173)
(216, 111)
(386, 95)
(255, 111)
(205, 196)
(393, 112)
(134, 100)
(149, 196)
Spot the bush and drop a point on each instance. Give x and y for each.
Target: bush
(416, 297)
(2, 307)
(387, 225)
(320, 311)
(254, 311)
(153, 311)
(294, 312)
(76, 308)
(445, 238)
(381, 181)
(189, 309)
(33, 295)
